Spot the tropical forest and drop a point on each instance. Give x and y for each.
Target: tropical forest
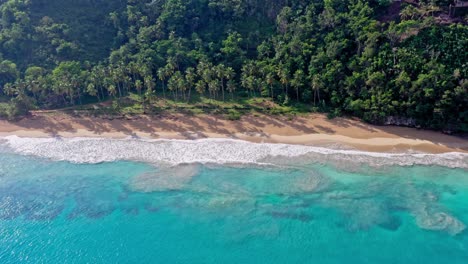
(384, 61)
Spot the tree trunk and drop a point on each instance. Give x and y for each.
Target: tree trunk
(79, 96)
(189, 94)
(72, 102)
(101, 91)
(272, 96)
(222, 88)
(120, 90)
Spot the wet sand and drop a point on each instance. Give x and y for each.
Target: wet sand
(311, 129)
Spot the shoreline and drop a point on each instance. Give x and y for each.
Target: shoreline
(311, 130)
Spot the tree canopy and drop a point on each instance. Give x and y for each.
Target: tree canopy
(343, 57)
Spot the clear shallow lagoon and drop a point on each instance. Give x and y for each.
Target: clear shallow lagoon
(299, 212)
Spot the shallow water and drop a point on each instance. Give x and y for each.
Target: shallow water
(304, 211)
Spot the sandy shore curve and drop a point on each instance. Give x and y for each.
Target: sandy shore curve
(311, 129)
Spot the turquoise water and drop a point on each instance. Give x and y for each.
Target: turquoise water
(129, 212)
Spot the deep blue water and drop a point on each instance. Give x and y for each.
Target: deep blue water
(126, 212)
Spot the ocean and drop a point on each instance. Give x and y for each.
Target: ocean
(87, 200)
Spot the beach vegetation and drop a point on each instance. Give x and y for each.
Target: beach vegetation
(375, 59)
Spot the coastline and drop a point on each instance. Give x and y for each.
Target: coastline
(311, 129)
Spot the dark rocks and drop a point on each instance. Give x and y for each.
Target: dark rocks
(400, 121)
(391, 224)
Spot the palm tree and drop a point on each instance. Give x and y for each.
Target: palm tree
(200, 87)
(172, 85)
(98, 75)
(111, 89)
(298, 81)
(205, 71)
(181, 84)
(248, 79)
(171, 64)
(91, 90)
(284, 77)
(133, 69)
(230, 74)
(116, 80)
(231, 87)
(244, 81)
(149, 84)
(220, 72)
(317, 85)
(190, 80)
(213, 87)
(162, 77)
(139, 87)
(33, 77)
(270, 80)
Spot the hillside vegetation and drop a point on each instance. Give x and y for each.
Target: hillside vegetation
(344, 57)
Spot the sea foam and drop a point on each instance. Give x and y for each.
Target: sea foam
(211, 151)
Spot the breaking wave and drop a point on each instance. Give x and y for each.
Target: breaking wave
(216, 151)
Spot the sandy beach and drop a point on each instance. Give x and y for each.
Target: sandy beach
(312, 129)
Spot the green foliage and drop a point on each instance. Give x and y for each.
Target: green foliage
(8, 73)
(233, 114)
(7, 111)
(333, 55)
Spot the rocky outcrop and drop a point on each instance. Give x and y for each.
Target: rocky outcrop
(401, 121)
